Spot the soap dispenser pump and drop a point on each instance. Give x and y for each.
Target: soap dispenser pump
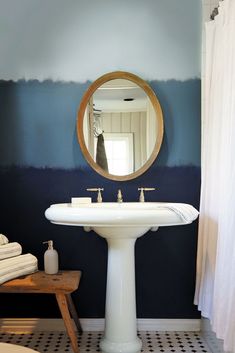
(51, 260)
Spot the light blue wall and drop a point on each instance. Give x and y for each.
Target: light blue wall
(79, 40)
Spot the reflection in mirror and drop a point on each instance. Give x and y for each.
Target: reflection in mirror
(120, 126)
(120, 118)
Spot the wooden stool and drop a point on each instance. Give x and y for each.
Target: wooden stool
(62, 285)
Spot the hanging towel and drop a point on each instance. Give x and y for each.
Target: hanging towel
(17, 266)
(186, 212)
(101, 158)
(3, 239)
(10, 250)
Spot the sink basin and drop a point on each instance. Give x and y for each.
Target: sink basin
(121, 224)
(126, 214)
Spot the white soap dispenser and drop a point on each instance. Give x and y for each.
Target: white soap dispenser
(51, 260)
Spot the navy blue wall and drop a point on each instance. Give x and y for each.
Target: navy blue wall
(41, 163)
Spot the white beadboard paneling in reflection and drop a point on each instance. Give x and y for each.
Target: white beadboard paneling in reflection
(77, 40)
(129, 122)
(126, 122)
(116, 122)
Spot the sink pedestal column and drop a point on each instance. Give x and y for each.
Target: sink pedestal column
(120, 314)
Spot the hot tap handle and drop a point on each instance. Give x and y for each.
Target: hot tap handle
(99, 196)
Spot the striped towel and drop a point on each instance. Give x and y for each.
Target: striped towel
(186, 212)
(17, 266)
(3, 239)
(10, 250)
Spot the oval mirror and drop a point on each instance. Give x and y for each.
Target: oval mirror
(120, 126)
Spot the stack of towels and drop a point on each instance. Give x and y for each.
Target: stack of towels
(12, 263)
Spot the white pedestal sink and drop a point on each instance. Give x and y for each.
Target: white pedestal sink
(121, 224)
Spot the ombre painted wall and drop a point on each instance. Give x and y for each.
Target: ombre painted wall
(49, 55)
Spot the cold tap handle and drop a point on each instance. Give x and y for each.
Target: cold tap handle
(141, 198)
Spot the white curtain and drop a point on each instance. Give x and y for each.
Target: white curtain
(215, 286)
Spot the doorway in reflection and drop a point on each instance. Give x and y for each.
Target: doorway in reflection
(119, 151)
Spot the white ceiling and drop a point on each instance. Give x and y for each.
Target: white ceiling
(110, 96)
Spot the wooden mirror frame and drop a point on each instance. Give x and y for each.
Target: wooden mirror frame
(80, 119)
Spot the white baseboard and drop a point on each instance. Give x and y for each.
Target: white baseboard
(31, 325)
(169, 324)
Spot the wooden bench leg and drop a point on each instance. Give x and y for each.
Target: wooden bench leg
(73, 312)
(62, 302)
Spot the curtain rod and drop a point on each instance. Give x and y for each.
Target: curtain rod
(215, 12)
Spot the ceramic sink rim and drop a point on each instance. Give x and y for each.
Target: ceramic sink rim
(106, 214)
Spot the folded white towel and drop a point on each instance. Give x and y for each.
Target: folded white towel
(186, 212)
(17, 266)
(3, 239)
(10, 250)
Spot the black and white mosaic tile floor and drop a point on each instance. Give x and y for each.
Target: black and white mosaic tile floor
(161, 342)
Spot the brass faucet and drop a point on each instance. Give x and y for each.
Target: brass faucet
(119, 196)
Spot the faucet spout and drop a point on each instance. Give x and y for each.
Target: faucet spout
(119, 196)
